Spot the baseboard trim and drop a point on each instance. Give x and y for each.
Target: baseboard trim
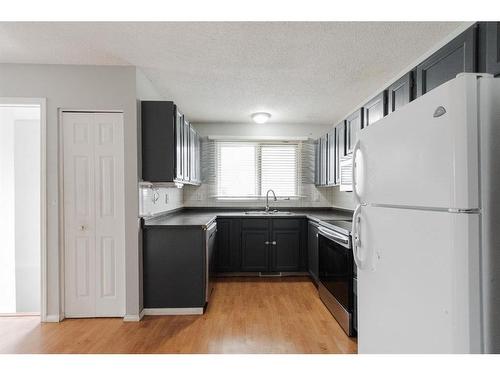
(174, 311)
(52, 319)
(134, 318)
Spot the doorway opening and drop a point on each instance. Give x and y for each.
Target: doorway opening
(22, 203)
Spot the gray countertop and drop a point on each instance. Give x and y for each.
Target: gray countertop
(203, 217)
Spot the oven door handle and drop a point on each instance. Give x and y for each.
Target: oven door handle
(335, 237)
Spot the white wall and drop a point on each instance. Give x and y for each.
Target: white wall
(264, 130)
(7, 208)
(166, 199)
(20, 207)
(27, 220)
(86, 88)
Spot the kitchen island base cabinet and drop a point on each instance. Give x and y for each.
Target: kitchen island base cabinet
(174, 267)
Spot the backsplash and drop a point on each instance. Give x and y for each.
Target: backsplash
(202, 196)
(156, 200)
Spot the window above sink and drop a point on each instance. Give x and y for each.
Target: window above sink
(246, 169)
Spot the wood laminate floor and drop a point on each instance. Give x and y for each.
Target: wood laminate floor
(245, 315)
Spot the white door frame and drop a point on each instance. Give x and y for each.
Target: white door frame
(42, 102)
(60, 158)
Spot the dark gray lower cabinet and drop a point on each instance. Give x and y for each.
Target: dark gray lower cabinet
(174, 267)
(226, 253)
(255, 250)
(312, 250)
(286, 250)
(261, 245)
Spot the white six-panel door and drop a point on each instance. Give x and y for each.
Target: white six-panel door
(94, 245)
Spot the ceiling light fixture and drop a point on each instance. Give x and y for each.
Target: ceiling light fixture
(261, 117)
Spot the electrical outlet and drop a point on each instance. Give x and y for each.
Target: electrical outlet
(198, 197)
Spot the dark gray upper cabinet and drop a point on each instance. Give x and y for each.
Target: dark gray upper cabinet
(493, 48)
(353, 124)
(458, 56)
(186, 152)
(194, 156)
(375, 109)
(339, 148)
(400, 93)
(179, 145)
(323, 165)
(167, 144)
(330, 173)
(158, 137)
(317, 153)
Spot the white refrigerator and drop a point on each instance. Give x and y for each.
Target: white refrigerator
(426, 230)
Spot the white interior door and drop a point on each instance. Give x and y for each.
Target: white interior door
(94, 214)
(421, 291)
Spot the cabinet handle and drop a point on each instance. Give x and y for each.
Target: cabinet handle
(273, 243)
(267, 243)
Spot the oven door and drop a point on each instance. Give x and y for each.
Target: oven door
(336, 266)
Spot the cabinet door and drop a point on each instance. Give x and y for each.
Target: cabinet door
(353, 126)
(192, 155)
(179, 145)
(456, 57)
(158, 141)
(317, 165)
(400, 92)
(185, 151)
(312, 249)
(285, 250)
(198, 158)
(339, 148)
(331, 157)
(323, 159)
(255, 250)
(223, 253)
(375, 109)
(493, 48)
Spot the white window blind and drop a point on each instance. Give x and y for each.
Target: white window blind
(249, 169)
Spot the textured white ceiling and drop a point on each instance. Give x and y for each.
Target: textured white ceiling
(300, 72)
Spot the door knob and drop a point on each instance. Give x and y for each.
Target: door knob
(82, 227)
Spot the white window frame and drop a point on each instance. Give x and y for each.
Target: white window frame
(259, 195)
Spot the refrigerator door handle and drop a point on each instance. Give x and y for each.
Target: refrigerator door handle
(357, 198)
(356, 242)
